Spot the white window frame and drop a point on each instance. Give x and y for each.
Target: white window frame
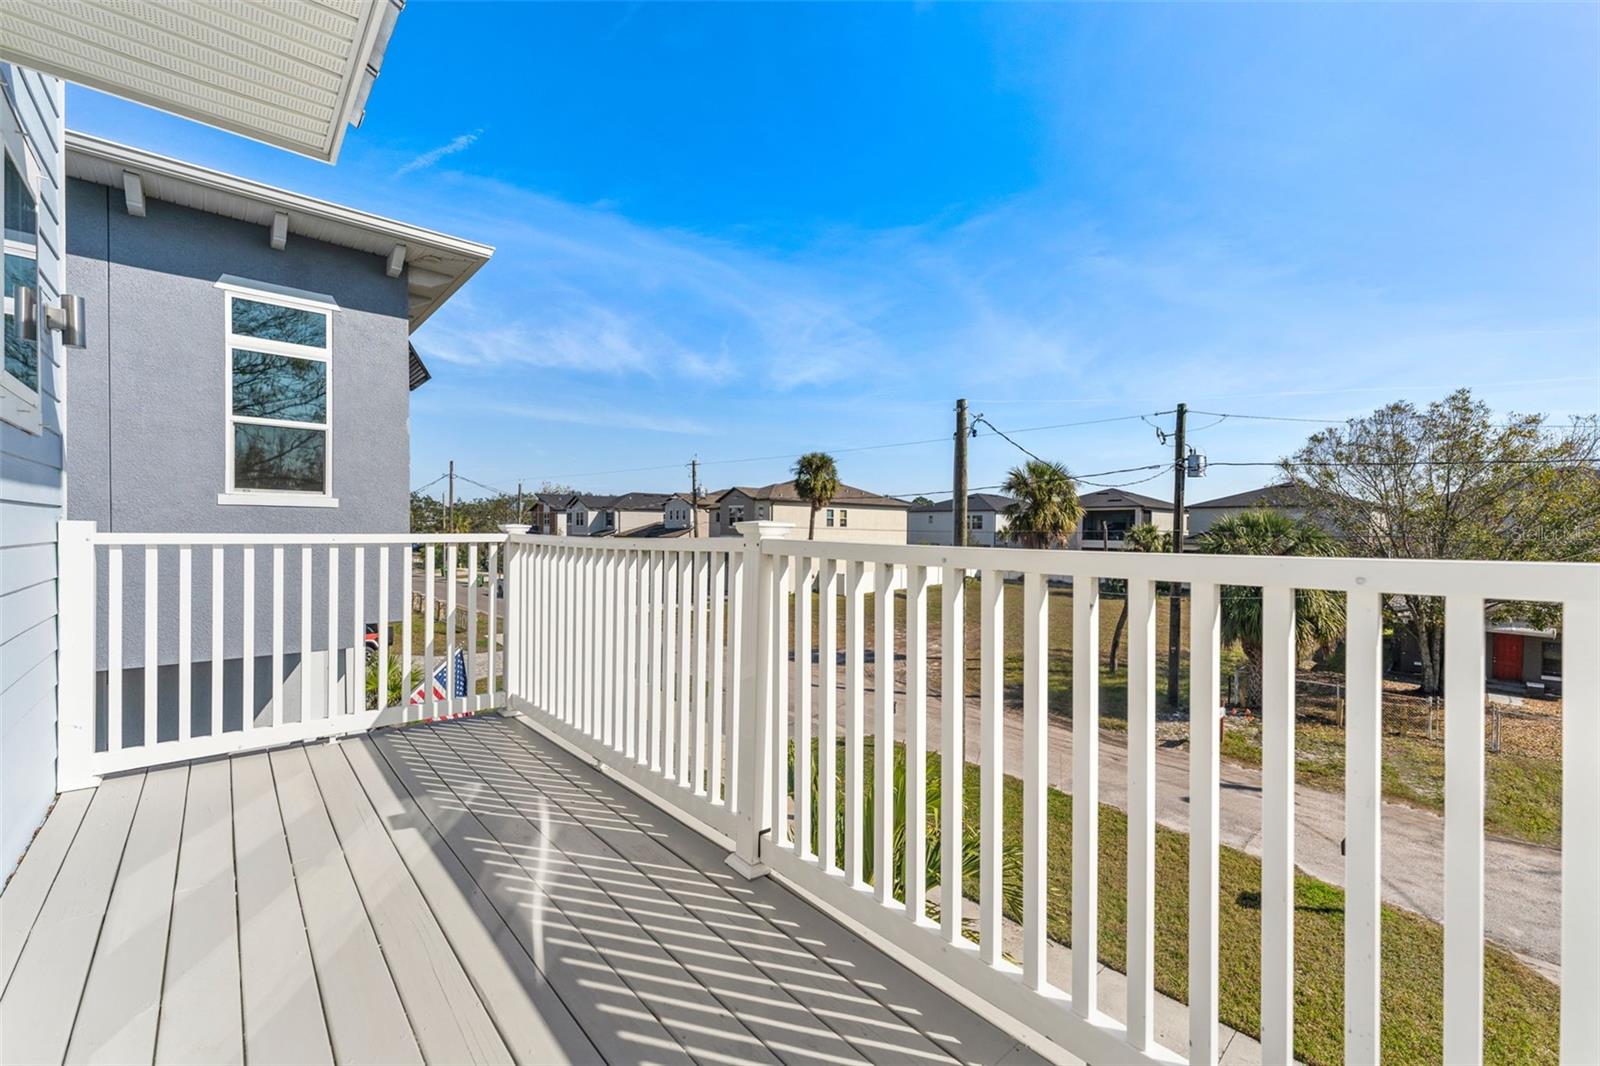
(844, 518)
(828, 522)
(232, 494)
(975, 521)
(20, 405)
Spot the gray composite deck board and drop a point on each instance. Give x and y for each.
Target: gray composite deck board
(116, 1020)
(283, 1019)
(864, 995)
(702, 942)
(25, 893)
(366, 1019)
(446, 1014)
(529, 1015)
(200, 1015)
(41, 1000)
(621, 1023)
(459, 892)
(594, 895)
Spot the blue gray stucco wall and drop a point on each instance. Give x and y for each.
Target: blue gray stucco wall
(148, 406)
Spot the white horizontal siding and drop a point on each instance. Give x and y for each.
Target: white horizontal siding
(32, 501)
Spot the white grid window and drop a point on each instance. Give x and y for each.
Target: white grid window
(279, 396)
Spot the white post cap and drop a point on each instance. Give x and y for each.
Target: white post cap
(513, 528)
(763, 529)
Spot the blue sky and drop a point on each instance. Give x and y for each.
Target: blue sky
(741, 231)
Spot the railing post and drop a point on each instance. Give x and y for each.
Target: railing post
(75, 592)
(754, 765)
(515, 621)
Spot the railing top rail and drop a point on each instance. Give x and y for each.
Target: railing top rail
(1540, 581)
(336, 539)
(642, 544)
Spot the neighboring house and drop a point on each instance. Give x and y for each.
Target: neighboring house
(1108, 514)
(1200, 517)
(854, 514)
(241, 375)
(636, 514)
(41, 47)
(549, 514)
(1516, 656)
(589, 515)
(986, 521)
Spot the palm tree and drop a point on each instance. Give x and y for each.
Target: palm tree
(816, 480)
(1045, 510)
(1318, 614)
(1145, 538)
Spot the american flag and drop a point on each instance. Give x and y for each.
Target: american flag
(444, 684)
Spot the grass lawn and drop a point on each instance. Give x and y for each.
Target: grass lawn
(1523, 785)
(1522, 1007)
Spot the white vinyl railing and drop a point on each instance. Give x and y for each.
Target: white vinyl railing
(182, 646)
(668, 663)
(570, 598)
(628, 647)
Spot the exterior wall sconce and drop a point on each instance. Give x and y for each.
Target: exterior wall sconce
(66, 319)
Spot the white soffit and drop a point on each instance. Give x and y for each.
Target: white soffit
(291, 73)
(435, 264)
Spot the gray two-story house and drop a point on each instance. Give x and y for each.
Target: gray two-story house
(248, 369)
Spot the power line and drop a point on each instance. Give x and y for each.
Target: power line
(431, 484)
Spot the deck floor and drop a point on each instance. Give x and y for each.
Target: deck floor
(461, 892)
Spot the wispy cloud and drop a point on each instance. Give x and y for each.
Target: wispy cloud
(586, 414)
(433, 155)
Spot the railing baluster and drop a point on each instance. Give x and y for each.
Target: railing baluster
(630, 654)
(452, 622)
(185, 642)
(1205, 771)
(1141, 811)
(383, 628)
(669, 665)
(655, 643)
(277, 636)
(472, 629)
(1277, 823)
(1363, 770)
(1580, 853)
(991, 704)
(883, 796)
(247, 641)
(1463, 828)
(732, 788)
(916, 742)
(429, 627)
(114, 649)
(606, 678)
(701, 659)
(854, 719)
(828, 733)
(333, 630)
(219, 583)
(953, 757)
(802, 706)
(356, 657)
(719, 680)
(1085, 791)
(685, 663)
(152, 665)
(1035, 764)
(304, 666)
(780, 700)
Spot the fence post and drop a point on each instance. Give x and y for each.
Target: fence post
(515, 620)
(75, 712)
(755, 763)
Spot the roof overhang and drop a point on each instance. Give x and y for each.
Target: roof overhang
(291, 75)
(435, 264)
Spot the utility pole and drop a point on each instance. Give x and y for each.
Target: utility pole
(958, 504)
(1175, 598)
(450, 501)
(519, 503)
(694, 496)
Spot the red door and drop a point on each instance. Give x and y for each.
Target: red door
(1507, 657)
